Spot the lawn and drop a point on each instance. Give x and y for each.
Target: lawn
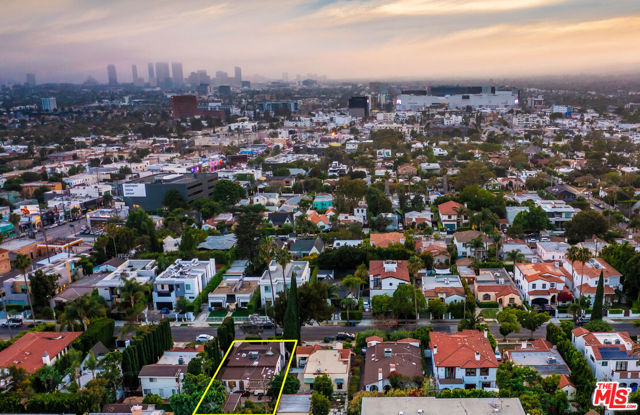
(241, 313)
(489, 312)
(218, 313)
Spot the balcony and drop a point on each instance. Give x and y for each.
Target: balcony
(450, 381)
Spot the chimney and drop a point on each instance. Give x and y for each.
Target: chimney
(435, 350)
(136, 410)
(380, 374)
(46, 359)
(477, 356)
(485, 334)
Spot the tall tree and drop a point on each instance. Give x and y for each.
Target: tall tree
(23, 262)
(584, 255)
(415, 264)
(291, 328)
(43, 287)
(596, 312)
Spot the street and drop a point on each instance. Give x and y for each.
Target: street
(64, 230)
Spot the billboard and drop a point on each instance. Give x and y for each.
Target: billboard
(134, 190)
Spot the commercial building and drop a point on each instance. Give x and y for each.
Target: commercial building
(112, 76)
(176, 71)
(434, 406)
(477, 97)
(359, 107)
(31, 79)
(48, 104)
(182, 279)
(163, 77)
(148, 192)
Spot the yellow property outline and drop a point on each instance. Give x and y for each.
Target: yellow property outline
(275, 408)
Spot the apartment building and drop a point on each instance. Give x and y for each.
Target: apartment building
(182, 279)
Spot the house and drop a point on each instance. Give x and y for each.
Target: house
(407, 170)
(567, 385)
(266, 199)
(392, 221)
(463, 360)
(180, 355)
(552, 251)
(323, 201)
(437, 250)
(385, 276)
(540, 356)
(305, 247)
(219, 242)
(143, 271)
(432, 406)
(356, 243)
(494, 284)
(36, 349)
(511, 245)
(383, 359)
(233, 293)
(541, 283)
(448, 288)
(317, 361)
(171, 244)
(275, 275)
(611, 356)
(294, 405)
(279, 219)
(182, 279)
(164, 380)
(322, 221)
(584, 281)
(464, 245)
(418, 218)
(384, 240)
(251, 366)
(449, 215)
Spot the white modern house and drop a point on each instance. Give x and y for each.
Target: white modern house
(182, 279)
(142, 271)
(280, 278)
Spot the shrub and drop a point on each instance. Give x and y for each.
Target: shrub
(615, 311)
(100, 330)
(488, 304)
(353, 315)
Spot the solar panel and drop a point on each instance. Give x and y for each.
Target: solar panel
(608, 353)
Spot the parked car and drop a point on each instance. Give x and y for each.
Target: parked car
(582, 321)
(345, 336)
(203, 338)
(12, 322)
(365, 305)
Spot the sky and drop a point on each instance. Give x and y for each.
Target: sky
(68, 40)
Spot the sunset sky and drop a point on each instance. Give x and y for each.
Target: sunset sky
(68, 40)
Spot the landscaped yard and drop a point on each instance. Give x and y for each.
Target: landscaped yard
(218, 314)
(489, 312)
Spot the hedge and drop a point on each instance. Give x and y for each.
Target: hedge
(146, 348)
(615, 311)
(196, 304)
(100, 330)
(353, 315)
(488, 304)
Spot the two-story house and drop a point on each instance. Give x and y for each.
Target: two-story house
(463, 360)
(317, 361)
(143, 271)
(182, 279)
(164, 380)
(251, 366)
(552, 251)
(465, 246)
(280, 279)
(384, 359)
(541, 283)
(584, 280)
(449, 215)
(611, 356)
(385, 276)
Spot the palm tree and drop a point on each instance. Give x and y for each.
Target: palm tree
(348, 303)
(133, 293)
(6, 314)
(515, 256)
(266, 252)
(497, 243)
(415, 264)
(573, 255)
(14, 219)
(352, 284)
(584, 256)
(574, 309)
(82, 310)
(111, 229)
(477, 245)
(462, 212)
(23, 262)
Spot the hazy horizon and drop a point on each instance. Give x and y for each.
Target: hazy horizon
(69, 40)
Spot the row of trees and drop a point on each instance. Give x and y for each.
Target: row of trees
(147, 346)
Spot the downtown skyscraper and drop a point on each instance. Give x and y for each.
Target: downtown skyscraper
(112, 76)
(176, 72)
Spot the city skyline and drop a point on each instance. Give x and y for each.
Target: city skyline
(67, 40)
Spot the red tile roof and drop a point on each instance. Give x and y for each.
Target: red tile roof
(401, 271)
(565, 381)
(542, 271)
(27, 351)
(593, 273)
(459, 350)
(449, 208)
(383, 240)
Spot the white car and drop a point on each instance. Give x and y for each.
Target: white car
(203, 338)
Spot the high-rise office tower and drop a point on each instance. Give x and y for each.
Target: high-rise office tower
(48, 104)
(176, 71)
(151, 72)
(238, 74)
(221, 77)
(111, 75)
(163, 75)
(31, 79)
(134, 73)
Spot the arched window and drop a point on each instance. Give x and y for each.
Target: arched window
(486, 297)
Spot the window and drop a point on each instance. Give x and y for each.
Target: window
(470, 372)
(449, 372)
(267, 289)
(339, 386)
(512, 300)
(544, 286)
(486, 297)
(605, 363)
(484, 371)
(533, 286)
(152, 379)
(187, 287)
(621, 365)
(146, 392)
(552, 285)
